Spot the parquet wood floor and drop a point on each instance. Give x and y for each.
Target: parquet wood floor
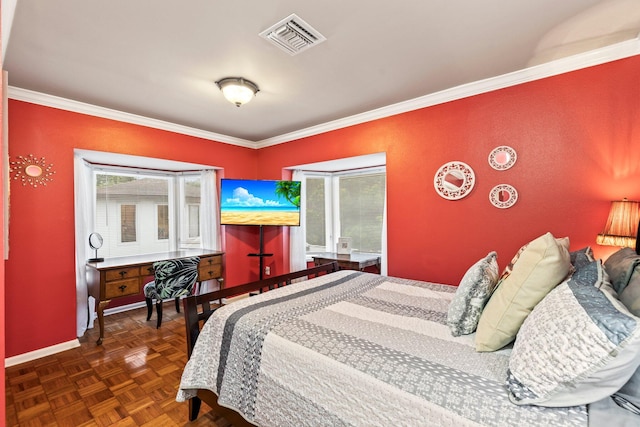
(130, 380)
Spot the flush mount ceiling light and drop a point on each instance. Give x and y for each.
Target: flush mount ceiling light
(237, 90)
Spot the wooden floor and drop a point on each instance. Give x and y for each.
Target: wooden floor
(130, 380)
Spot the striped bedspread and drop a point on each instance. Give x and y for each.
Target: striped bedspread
(355, 349)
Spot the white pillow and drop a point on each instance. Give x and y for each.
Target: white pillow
(579, 345)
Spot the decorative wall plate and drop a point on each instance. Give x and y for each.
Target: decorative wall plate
(502, 158)
(503, 196)
(454, 180)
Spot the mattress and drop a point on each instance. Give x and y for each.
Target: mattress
(355, 349)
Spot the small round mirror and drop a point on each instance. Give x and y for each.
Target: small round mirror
(33, 170)
(454, 180)
(503, 196)
(95, 241)
(502, 158)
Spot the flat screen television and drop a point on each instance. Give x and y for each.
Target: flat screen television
(259, 202)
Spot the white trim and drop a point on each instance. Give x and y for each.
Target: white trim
(39, 98)
(37, 354)
(133, 306)
(560, 66)
(126, 307)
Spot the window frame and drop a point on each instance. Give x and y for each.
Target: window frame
(332, 201)
(176, 202)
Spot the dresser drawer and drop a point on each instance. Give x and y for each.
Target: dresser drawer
(122, 273)
(210, 261)
(208, 272)
(120, 288)
(146, 270)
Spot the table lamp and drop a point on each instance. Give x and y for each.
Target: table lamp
(622, 225)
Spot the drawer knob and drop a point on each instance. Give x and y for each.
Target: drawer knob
(123, 273)
(122, 288)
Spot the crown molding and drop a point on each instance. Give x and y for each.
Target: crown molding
(39, 98)
(560, 66)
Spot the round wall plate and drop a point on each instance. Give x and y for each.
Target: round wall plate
(503, 196)
(454, 180)
(502, 158)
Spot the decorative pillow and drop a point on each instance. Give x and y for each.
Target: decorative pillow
(581, 257)
(620, 266)
(537, 268)
(474, 290)
(579, 345)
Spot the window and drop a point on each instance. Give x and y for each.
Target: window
(316, 214)
(127, 223)
(163, 222)
(345, 204)
(139, 212)
(193, 218)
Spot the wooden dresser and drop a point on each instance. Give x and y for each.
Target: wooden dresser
(123, 276)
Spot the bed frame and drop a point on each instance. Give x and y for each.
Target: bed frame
(198, 308)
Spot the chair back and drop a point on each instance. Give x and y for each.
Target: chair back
(175, 277)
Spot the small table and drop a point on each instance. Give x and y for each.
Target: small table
(354, 261)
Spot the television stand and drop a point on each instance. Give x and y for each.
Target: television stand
(261, 254)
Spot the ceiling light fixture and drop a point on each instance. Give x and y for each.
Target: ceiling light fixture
(238, 90)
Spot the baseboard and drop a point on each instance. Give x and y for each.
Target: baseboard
(37, 354)
(123, 308)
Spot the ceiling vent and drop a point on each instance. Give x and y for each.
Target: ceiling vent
(293, 35)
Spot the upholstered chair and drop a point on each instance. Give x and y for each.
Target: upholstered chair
(172, 279)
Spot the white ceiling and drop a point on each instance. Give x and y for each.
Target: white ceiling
(160, 58)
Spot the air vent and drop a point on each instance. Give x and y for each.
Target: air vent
(293, 35)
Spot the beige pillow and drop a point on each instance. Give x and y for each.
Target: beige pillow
(537, 268)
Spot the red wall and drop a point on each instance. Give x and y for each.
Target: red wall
(2, 235)
(40, 272)
(573, 135)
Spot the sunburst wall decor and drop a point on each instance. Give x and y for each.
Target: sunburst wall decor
(32, 170)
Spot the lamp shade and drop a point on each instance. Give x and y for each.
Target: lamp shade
(237, 90)
(622, 225)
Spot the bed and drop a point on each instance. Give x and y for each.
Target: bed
(354, 348)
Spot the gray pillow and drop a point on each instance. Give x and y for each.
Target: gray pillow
(578, 345)
(628, 397)
(472, 294)
(630, 295)
(606, 412)
(581, 257)
(620, 267)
